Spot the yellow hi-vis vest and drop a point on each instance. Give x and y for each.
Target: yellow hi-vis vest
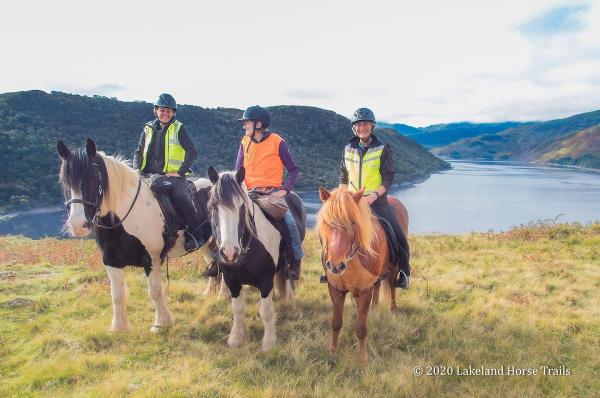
(363, 172)
(174, 152)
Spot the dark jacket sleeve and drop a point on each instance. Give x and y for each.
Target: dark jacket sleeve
(139, 152)
(190, 151)
(343, 172)
(387, 168)
(290, 165)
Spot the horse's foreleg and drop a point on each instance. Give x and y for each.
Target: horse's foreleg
(118, 292)
(267, 314)
(238, 330)
(363, 300)
(162, 317)
(337, 318)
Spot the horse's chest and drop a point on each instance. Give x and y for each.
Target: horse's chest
(355, 278)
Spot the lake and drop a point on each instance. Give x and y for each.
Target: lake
(473, 196)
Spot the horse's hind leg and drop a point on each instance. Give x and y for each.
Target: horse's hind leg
(362, 302)
(375, 299)
(212, 285)
(337, 318)
(267, 314)
(118, 291)
(162, 316)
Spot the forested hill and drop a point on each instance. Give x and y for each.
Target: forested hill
(32, 121)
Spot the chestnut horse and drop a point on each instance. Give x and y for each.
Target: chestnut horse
(356, 257)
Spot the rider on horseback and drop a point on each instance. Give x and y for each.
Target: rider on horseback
(166, 149)
(264, 154)
(368, 163)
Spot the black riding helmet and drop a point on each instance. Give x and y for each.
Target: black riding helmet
(363, 115)
(257, 113)
(166, 101)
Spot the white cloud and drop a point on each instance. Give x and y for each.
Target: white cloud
(415, 63)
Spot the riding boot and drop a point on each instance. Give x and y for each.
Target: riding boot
(191, 242)
(402, 281)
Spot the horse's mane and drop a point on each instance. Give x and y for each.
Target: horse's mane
(225, 193)
(121, 176)
(340, 211)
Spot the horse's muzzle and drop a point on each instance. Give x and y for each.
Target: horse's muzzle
(230, 254)
(336, 269)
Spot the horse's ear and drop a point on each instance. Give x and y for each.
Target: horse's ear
(358, 195)
(324, 194)
(90, 148)
(239, 176)
(213, 175)
(62, 149)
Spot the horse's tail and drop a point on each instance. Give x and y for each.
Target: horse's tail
(285, 286)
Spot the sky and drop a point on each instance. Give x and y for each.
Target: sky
(418, 63)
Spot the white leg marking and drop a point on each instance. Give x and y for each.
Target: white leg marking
(212, 285)
(289, 291)
(267, 314)
(224, 292)
(118, 292)
(238, 330)
(162, 315)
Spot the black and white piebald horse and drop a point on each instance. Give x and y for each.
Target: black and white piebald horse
(251, 252)
(106, 196)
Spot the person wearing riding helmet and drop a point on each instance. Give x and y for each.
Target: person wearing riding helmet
(369, 163)
(165, 148)
(264, 154)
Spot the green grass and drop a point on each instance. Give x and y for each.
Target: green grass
(525, 298)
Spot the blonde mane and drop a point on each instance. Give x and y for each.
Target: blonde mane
(340, 211)
(122, 178)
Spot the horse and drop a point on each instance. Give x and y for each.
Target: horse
(356, 257)
(109, 198)
(251, 251)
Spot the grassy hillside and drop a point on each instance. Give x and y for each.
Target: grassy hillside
(578, 149)
(31, 122)
(527, 298)
(521, 143)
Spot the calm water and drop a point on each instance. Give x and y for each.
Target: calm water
(479, 196)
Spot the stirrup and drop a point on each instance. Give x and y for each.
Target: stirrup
(402, 281)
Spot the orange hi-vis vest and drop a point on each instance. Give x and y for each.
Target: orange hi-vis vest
(264, 167)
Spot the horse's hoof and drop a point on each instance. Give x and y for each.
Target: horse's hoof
(119, 329)
(332, 350)
(267, 344)
(234, 341)
(158, 328)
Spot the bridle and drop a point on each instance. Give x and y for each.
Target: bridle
(354, 248)
(102, 186)
(241, 232)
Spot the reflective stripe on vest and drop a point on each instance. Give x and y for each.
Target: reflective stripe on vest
(264, 167)
(174, 152)
(363, 172)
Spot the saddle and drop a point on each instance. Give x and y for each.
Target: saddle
(161, 187)
(398, 253)
(296, 206)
